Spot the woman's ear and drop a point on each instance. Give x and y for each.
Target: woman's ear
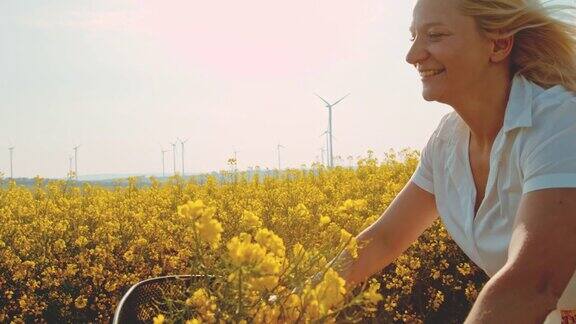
(501, 48)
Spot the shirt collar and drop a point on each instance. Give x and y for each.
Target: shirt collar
(518, 110)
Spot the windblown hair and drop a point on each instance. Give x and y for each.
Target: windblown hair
(544, 49)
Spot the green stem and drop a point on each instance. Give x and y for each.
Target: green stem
(239, 311)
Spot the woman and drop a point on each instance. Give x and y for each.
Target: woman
(500, 170)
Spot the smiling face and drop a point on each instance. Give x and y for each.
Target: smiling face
(448, 49)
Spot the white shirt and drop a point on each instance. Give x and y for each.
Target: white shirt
(535, 149)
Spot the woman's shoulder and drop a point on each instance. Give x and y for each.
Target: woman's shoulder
(553, 121)
(553, 109)
(546, 100)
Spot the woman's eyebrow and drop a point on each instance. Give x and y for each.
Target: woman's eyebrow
(430, 24)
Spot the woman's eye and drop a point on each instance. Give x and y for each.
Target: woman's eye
(433, 36)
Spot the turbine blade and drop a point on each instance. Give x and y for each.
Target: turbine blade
(322, 99)
(341, 99)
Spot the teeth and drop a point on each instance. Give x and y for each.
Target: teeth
(428, 73)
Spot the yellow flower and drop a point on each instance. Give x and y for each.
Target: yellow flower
(264, 282)
(210, 230)
(437, 300)
(173, 261)
(80, 302)
(159, 319)
(203, 303)
(435, 274)
(269, 265)
(251, 220)
(271, 241)
(371, 294)
(266, 314)
(129, 255)
(59, 245)
(350, 242)
(71, 269)
(301, 212)
(327, 294)
(141, 242)
(243, 252)
(191, 209)
(293, 307)
(110, 286)
(81, 241)
(199, 298)
(464, 269)
(23, 302)
(156, 270)
(414, 263)
(471, 292)
(324, 220)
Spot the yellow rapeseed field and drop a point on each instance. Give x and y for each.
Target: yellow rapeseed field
(68, 253)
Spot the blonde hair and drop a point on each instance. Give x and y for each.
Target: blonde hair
(544, 49)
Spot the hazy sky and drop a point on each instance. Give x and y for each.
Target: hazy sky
(123, 78)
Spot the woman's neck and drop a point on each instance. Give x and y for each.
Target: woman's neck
(484, 107)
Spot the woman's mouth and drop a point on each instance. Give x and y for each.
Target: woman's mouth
(430, 73)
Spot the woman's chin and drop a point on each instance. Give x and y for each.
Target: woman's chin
(429, 96)
(432, 95)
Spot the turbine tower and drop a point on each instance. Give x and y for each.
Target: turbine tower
(174, 155)
(76, 161)
(329, 106)
(236, 160)
(322, 150)
(69, 164)
(11, 149)
(279, 165)
(327, 148)
(182, 142)
(163, 168)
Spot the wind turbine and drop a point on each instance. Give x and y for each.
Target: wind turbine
(174, 155)
(182, 142)
(163, 153)
(236, 159)
(327, 147)
(322, 150)
(279, 165)
(69, 164)
(11, 149)
(76, 161)
(329, 106)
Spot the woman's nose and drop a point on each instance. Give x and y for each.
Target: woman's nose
(416, 53)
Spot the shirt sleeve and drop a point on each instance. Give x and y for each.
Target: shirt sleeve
(550, 161)
(423, 176)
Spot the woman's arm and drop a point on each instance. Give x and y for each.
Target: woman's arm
(541, 261)
(409, 214)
